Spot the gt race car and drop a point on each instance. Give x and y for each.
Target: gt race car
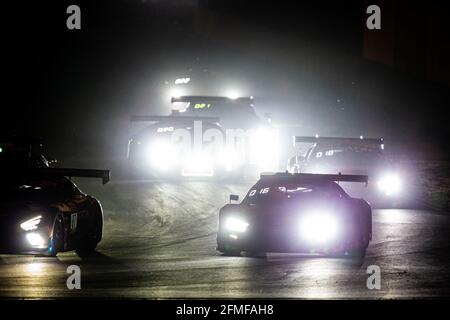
(174, 146)
(226, 139)
(252, 140)
(42, 211)
(297, 213)
(354, 156)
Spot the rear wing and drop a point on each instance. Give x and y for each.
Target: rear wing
(66, 172)
(138, 118)
(213, 99)
(331, 140)
(312, 177)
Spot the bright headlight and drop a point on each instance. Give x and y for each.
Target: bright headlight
(390, 184)
(263, 148)
(31, 224)
(162, 154)
(229, 158)
(319, 227)
(235, 224)
(35, 239)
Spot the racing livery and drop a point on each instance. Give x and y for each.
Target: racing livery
(297, 213)
(41, 210)
(353, 156)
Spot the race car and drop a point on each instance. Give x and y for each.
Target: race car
(297, 213)
(253, 139)
(234, 113)
(42, 211)
(211, 136)
(354, 156)
(174, 146)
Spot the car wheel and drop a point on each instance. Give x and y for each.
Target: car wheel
(57, 240)
(88, 246)
(356, 253)
(231, 253)
(254, 254)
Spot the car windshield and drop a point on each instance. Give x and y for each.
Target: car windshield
(295, 190)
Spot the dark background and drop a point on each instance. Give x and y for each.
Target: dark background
(311, 64)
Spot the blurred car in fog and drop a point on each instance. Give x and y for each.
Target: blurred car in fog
(41, 210)
(297, 213)
(156, 151)
(388, 184)
(226, 139)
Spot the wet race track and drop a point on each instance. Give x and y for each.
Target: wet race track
(160, 238)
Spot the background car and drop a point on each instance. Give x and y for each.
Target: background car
(41, 210)
(256, 141)
(390, 185)
(302, 213)
(168, 147)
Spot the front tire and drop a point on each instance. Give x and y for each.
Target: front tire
(231, 253)
(88, 246)
(57, 240)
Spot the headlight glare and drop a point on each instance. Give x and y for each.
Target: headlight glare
(35, 239)
(390, 184)
(236, 224)
(31, 224)
(318, 227)
(162, 155)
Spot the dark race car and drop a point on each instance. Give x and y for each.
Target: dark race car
(297, 213)
(41, 210)
(365, 156)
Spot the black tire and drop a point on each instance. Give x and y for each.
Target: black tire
(231, 253)
(57, 240)
(357, 253)
(88, 246)
(254, 254)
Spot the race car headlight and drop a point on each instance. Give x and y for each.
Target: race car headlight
(263, 147)
(31, 224)
(162, 154)
(236, 225)
(229, 158)
(390, 184)
(35, 239)
(318, 227)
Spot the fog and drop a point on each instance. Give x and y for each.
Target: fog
(77, 89)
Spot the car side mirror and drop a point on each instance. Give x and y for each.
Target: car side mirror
(234, 197)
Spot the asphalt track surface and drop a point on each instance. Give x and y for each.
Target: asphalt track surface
(159, 242)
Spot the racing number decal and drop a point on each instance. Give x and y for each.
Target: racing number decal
(328, 153)
(73, 221)
(165, 129)
(261, 191)
(264, 191)
(201, 105)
